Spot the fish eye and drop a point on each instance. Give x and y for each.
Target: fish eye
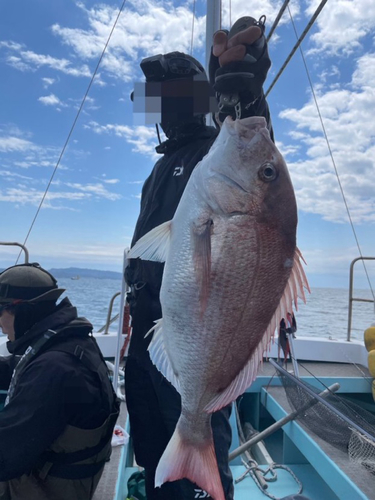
(267, 172)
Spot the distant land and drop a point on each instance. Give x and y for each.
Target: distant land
(78, 272)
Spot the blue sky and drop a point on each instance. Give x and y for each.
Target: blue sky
(48, 51)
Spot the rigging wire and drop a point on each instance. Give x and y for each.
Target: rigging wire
(299, 41)
(192, 31)
(72, 127)
(332, 157)
(277, 20)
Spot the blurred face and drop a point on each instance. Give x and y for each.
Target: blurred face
(7, 323)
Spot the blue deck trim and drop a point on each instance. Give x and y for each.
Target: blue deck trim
(340, 483)
(347, 384)
(123, 468)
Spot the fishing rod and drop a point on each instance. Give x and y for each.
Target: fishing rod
(299, 41)
(280, 423)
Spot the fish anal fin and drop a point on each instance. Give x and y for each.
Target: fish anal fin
(239, 385)
(154, 245)
(159, 355)
(201, 236)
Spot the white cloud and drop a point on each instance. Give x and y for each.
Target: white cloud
(342, 25)
(10, 144)
(27, 60)
(97, 190)
(142, 138)
(111, 181)
(7, 174)
(147, 27)
(23, 194)
(47, 82)
(258, 8)
(348, 120)
(51, 100)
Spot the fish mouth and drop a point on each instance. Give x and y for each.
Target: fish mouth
(246, 128)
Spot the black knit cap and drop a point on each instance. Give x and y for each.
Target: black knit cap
(28, 282)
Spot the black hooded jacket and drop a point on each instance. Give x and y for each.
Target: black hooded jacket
(53, 390)
(161, 195)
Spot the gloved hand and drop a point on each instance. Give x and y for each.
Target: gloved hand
(234, 48)
(239, 64)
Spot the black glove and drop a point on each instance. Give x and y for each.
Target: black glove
(241, 81)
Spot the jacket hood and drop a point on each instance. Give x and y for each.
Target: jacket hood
(63, 320)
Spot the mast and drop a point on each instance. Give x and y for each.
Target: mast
(213, 23)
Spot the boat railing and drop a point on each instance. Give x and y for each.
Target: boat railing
(15, 244)
(354, 299)
(104, 329)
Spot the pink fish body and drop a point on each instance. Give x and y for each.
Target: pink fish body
(232, 272)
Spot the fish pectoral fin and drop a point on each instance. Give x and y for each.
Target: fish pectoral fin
(159, 355)
(154, 245)
(201, 236)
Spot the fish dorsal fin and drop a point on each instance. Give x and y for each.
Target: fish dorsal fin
(159, 355)
(201, 236)
(294, 288)
(154, 245)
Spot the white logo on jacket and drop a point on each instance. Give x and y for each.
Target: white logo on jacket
(178, 171)
(201, 493)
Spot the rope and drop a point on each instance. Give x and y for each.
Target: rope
(332, 158)
(72, 128)
(278, 17)
(192, 30)
(307, 29)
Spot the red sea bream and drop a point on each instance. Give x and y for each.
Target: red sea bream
(232, 271)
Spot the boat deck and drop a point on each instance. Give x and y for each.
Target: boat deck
(318, 466)
(107, 487)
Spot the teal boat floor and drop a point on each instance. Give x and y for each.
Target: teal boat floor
(313, 486)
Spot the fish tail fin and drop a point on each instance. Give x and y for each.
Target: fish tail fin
(184, 459)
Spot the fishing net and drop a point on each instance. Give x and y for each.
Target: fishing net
(362, 451)
(337, 420)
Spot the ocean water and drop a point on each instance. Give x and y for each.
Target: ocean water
(325, 314)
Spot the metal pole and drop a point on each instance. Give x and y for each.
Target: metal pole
(321, 400)
(213, 22)
(289, 336)
(280, 423)
(109, 314)
(306, 30)
(15, 244)
(124, 289)
(351, 300)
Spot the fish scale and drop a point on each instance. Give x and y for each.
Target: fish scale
(232, 271)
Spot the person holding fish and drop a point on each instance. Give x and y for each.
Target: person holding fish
(211, 211)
